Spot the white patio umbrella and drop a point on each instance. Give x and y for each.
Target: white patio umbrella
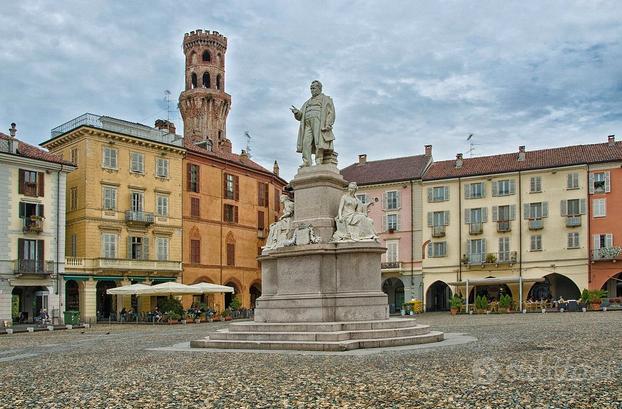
(208, 288)
(127, 289)
(169, 288)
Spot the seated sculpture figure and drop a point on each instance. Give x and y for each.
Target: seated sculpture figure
(352, 221)
(280, 230)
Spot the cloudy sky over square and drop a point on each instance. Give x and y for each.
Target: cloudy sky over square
(401, 74)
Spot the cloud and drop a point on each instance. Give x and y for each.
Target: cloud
(402, 74)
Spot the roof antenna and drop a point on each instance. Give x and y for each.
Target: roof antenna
(471, 145)
(248, 143)
(167, 95)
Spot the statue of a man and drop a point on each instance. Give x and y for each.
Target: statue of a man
(315, 135)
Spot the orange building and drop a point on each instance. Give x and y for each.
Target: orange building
(605, 191)
(229, 201)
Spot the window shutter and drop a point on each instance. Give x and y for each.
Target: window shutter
(483, 189)
(397, 228)
(235, 214)
(532, 184)
(582, 206)
(430, 193)
(20, 249)
(430, 249)
(484, 247)
(384, 222)
(145, 248)
(512, 212)
(384, 200)
(129, 247)
(446, 189)
(495, 213)
(430, 219)
(596, 241)
(40, 184)
(495, 188)
(545, 209)
(399, 199)
(607, 182)
(591, 182)
(609, 240)
(526, 211)
(563, 208)
(236, 193)
(188, 175)
(224, 185)
(468, 246)
(22, 209)
(40, 250)
(484, 215)
(22, 181)
(569, 185)
(446, 217)
(467, 192)
(512, 186)
(467, 216)
(40, 210)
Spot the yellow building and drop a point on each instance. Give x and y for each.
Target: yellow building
(124, 209)
(505, 220)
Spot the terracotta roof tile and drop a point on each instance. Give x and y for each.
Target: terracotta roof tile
(29, 151)
(538, 159)
(387, 170)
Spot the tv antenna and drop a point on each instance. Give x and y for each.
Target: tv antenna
(248, 143)
(167, 98)
(472, 145)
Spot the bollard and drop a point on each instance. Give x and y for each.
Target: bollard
(50, 327)
(30, 329)
(9, 330)
(69, 326)
(525, 311)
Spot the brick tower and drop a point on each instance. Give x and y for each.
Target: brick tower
(204, 104)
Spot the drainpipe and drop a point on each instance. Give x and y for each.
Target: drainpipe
(460, 231)
(519, 214)
(58, 281)
(412, 237)
(589, 228)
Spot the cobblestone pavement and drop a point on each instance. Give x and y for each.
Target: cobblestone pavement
(567, 360)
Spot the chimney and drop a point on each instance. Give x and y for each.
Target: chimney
(12, 140)
(428, 150)
(243, 154)
(362, 158)
(275, 168)
(459, 160)
(521, 153)
(225, 145)
(165, 125)
(611, 139)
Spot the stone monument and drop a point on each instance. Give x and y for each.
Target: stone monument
(321, 278)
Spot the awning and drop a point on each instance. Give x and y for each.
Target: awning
(496, 280)
(208, 288)
(127, 289)
(76, 278)
(169, 289)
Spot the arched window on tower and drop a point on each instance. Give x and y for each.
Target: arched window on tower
(218, 82)
(219, 59)
(193, 58)
(206, 81)
(206, 56)
(193, 80)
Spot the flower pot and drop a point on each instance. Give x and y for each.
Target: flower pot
(228, 318)
(454, 311)
(197, 321)
(184, 322)
(595, 306)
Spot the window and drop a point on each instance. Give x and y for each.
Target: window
(138, 248)
(504, 187)
(193, 177)
(30, 255)
(392, 254)
(162, 248)
(162, 168)
(438, 219)
(362, 197)
(437, 249)
(599, 207)
(232, 186)
(503, 213)
(573, 207)
(206, 56)
(537, 210)
(572, 181)
(74, 156)
(573, 240)
(600, 183)
(195, 207)
(206, 80)
(195, 251)
(137, 162)
(109, 245)
(438, 194)
(73, 250)
(603, 241)
(73, 198)
(504, 249)
(230, 214)
(110, 158)
(474, 190)
(162, 205)
(230, 254)
(476, 215)
(109, 195)
(476, 251)
(31, 183)
(535, 184)
(136, 201)
(392, 222)
(261, 220)
(26, 210)
(392, 200)
(262, 194)
(277, 201)
(536, 243)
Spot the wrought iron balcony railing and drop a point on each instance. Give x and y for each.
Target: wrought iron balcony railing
(33, 224)
(535, 224)
(132, 216)
(476, 228)
(438, 231)
(504, 226)
(391, 265)
(31, 267)
(573, 221)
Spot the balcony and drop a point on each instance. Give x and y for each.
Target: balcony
(438, 231)
(481, 259)
(31, 267)
(138, 218)
(535, 224)
(606, 253)
(33, 224)
(504, 226)
(391, 266)
(476, 228)
(118, 264)
(573, 221)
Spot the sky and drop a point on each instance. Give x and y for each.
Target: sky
(402, 74)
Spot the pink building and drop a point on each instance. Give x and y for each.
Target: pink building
(394, 188)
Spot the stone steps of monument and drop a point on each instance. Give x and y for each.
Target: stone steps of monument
(432, 336)
(320, 336)
(392, 323)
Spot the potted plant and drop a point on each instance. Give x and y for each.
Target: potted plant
(455, 303)
(595, 298)
(226, 315)
(173, 317)
(491, 258)
(481, 304)
(585, 298)
(505, 302)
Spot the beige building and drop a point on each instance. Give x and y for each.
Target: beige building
(519, 218)
(124, 209)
